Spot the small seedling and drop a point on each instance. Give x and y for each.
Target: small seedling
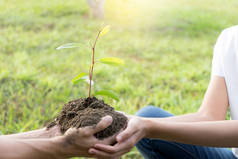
(84, 77)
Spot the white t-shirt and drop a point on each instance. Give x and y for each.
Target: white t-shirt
(225, 64)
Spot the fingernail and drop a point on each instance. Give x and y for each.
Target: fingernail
(119, 138)
(96, 146)
(91, 151)
(108, 119)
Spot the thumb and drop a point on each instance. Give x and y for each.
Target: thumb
(103, 124)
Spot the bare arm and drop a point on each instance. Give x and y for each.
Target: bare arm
(206, 127)
(74, 143)
(214, 133)
(27, 149)
(40, 133)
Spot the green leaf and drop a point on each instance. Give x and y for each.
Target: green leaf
(79, 78)
(78, 81)
(111, 61)
(68, 45)
(84, 78)
(108, 94)
(105, 30)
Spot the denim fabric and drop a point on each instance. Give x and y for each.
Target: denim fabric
(161, 149)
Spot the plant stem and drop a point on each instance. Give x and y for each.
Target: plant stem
(92, 65)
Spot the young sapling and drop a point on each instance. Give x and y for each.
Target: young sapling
(89, 111)
(114, 61)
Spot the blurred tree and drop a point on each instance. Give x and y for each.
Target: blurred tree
(97, 8)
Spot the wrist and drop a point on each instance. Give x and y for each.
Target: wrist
(145, 126)
(52, 132)
(58, 143)
(148, 126)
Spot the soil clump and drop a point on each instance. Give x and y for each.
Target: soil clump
(88, 112)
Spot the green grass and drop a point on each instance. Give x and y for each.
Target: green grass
(167, 46)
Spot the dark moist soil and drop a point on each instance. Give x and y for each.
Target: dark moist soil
(81, 113)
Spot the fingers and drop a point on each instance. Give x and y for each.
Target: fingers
(109, 152)
(127, 133)
(99, 154)
(71, 131)
(106, 148)
(104, 155)
(128, 144)
(88, 131)
(119, 148)
(103, 124)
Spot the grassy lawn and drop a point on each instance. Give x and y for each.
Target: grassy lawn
(167, 46)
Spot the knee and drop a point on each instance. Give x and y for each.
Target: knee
(145, 111)
(146, 148)
(152, 111)
(148, 111)
(142, 143)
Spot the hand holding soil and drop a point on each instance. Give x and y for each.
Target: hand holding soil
(76, 142)
(126, 140)
(88, 112)
(79, 120)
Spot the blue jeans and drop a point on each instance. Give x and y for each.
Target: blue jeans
(161, 149)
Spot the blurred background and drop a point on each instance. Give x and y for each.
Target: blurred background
(167, 46)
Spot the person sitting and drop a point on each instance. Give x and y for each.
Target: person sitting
(205, 134)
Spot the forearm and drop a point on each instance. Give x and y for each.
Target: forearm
(40, 133)
(216, 133)
(191, 117)
(28, 148)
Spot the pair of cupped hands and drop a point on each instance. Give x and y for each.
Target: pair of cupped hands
(82, 143)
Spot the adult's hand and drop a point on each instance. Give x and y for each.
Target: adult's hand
(126, 140)
(76, 142)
